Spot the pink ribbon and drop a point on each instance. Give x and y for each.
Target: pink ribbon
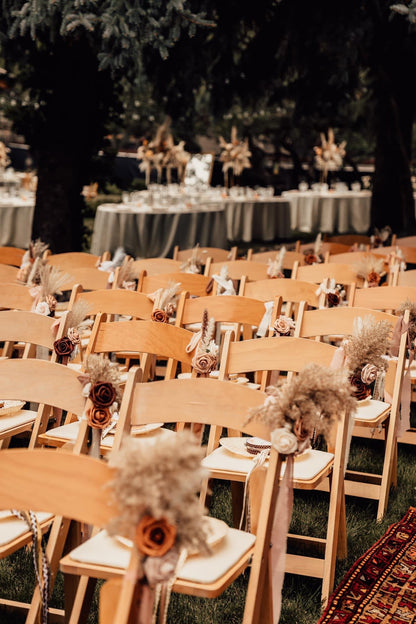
(338, 359)
(282, 516)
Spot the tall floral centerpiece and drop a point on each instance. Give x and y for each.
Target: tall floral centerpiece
(329, 156)
(235, 157)
(4, 159)
(162, 153)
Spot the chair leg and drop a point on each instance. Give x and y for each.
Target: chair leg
(389, 470)
(81, 604)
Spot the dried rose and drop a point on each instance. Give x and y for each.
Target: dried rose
(283, 325)
(154, 538)
(42, 308)
(284, 441)
(63, 346)
(300, 431)
(170, 309)
(51, 301)
(127, 285)
(311, 258)
(103, 394)
(204, 363)
(333, 299)
(361, 390)
(159, 316)
(373, 279)
(161, 569)
(74, 336)
(98, 417)
(369, 374)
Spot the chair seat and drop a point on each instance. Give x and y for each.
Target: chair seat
(103, 550)
(371, 411)
(11, 527)
(21, 418)
(307, 466)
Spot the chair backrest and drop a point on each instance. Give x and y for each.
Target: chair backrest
(27, 327)
(237, 268)
(403, 278)
(289, 258)
(90, 278)
(203, 253)
(44, 480)
(387, 298)
(406, 241)
(196, 285)
(349, 239)
(144, 337)
(8, 273)
(229, 309)
(408, 253)
(293, 291)
(349, 257)
(316, 273)
(11, 255)
(15, 297)
(115, 301)
(155, 266)
(73, 260)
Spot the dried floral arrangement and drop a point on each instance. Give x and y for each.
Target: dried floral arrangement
(194, 263)
(329, 156)
(283, 326)
(365, 353)
(225, 285)
(156, 489)
(164, 302)
(67, 346)
(314, 255)
(4, 159)
(371, 269)
(48, 283)
(306, 406)
(235, 156)
(381, 238)
(90, 191)
(127, 276)
(32, 255)
(205, 359)
(334, 293)
(275, 267)
(409, 305)
(101, 386)
(396, 259)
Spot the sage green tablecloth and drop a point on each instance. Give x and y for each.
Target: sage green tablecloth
(16, 216)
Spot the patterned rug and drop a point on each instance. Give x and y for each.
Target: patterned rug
(380, 587)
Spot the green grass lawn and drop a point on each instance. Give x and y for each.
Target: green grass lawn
(301, 595)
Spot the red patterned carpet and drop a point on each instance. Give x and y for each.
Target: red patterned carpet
(380, 588)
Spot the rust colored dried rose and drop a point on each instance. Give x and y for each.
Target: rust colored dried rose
(63, 346)
(204, 363)
(310, 258)
(155, 538)
(333, 299)
(103, 394)
(160, 316)
(300, 431)
(360, 389)
(98, 417)
(373, 278)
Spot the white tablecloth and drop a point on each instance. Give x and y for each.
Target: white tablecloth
(330, 211)
(16, 216)
(149, 233)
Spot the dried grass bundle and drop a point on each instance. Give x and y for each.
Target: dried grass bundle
(409, 305)
(369, 344)
(51, 280)
(127, 272)
(80, 310)
(161, 481)
(370, 264)
(101, 370)
(315, 398)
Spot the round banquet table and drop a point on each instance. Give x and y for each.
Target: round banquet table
(16, 216)
(153, 233)
(331, 211)
(146, 232)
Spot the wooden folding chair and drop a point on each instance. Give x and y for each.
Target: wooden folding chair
(212, 403)
(374, 415)
(237, 268)
(52, 386)
(8, 273)
(402, 278)
(215, 253)
(315, 468)
(15, 297)
(386, 298)
(197, 285)
(12, 256)
(289, 258)
(156, 266)
(70, 261)
(291, 291)
(20, 326)
(90, 278)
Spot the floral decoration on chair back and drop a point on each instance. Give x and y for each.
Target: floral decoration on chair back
(314, 255)
(275, 267)
(34, 254)
(205, 360)
(372, 269)
(156, 489)
(67, 346)
(164, 302)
